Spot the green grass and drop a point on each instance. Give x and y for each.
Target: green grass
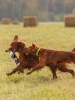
(39, 85)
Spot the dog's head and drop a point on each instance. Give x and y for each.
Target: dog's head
(32, 49)
(16, 46)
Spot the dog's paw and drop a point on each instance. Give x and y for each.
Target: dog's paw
(8, 74)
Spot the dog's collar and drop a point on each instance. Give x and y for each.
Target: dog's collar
(37, 52)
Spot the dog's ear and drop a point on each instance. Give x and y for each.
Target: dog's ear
(16, 38)
(34, 46)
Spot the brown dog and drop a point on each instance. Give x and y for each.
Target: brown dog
(54, 59)
(25, 61)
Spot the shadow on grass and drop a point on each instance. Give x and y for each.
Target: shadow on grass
(33, 79)
(30, 79)
(37, 80)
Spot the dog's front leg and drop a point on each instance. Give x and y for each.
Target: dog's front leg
(18, 68)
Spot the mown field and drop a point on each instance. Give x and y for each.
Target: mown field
(39, 85)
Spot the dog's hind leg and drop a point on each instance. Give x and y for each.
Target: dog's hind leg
(62, 67)
(53, 69)
(54, 74)
(37, 67)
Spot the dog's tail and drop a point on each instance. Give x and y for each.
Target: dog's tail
(73, 50)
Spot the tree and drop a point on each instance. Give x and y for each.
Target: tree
(31, 7)
(3, 9)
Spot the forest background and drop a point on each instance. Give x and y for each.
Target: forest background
(44, 10)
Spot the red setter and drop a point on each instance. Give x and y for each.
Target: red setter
(51, 58)
(25, 61)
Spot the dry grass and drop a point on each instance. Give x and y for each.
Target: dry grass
(38, 85)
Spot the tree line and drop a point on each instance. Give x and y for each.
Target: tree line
(44, 10)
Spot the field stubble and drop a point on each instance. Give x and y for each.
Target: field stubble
(39, 85)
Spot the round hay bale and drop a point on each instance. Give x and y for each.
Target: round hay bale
(30, 21)
(69, 21)
(6, 21)
(15, 22)
(25, 21)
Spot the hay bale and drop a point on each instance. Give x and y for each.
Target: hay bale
(30, 21)
(6, 21)
(25, 21)
(15, 22)
(69, 21)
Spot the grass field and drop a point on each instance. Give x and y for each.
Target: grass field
(39, 85)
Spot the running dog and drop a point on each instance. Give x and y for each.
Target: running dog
(52, 58)
(25, 61)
